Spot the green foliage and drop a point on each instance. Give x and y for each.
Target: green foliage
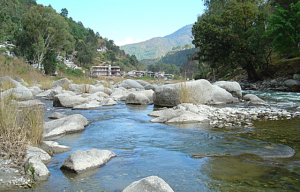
(167, 68)
(284, 29)
(231, 34)
(50, 62)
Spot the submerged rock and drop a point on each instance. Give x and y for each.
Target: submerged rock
(53, 148)
(152, 183)
(254, 100)
(80, 161)
(35, 167)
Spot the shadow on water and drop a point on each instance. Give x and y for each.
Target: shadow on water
(188, 157)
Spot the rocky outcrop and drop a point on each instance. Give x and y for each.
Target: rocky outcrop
(69, 124)
(254, 100)
(35, 90)
(108, 102)
(152, 183)
(143, 83)
(80, 161)
(20, 93)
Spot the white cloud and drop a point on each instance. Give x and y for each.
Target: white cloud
(128, 40)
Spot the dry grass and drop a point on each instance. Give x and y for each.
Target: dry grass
(18, 129)
(188, 94)
(5, 85)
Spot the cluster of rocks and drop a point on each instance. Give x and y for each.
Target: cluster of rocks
(279, 84)
(199, 95)
(218, 117)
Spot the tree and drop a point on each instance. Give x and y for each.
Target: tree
(50, 62)
(231, 34)
(43, 29)
(285, 29)
(64, 12)
(112, 56)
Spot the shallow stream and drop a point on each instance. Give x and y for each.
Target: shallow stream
(188, 157)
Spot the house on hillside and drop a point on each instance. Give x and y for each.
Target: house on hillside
(105, 70)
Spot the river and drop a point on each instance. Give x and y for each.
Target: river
(188, 157)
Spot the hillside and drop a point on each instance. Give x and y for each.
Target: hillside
(159, 46)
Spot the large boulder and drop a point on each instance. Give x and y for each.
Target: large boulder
(221, 96)
(62, 83)
(254, 100)
(30, 103)
(118, 93)
(94, 89)
(232, 87)
(56, 115)
(151, 87)
(53, 148)
(80, 161)
(151, 184)
(197, 92)
(69, 124)
(68, 101)
(291, 82)
(90, 105)
(138, 99)
(129, 83)
(20, 93)
(35, 90)
(108, 102)
(37, 169)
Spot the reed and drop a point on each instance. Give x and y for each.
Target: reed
(19, 127)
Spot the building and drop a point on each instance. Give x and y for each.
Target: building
(105, 70)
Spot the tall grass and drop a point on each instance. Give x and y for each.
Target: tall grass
(19, 127)
(188, 94)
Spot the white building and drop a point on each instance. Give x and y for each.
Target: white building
(105, 70)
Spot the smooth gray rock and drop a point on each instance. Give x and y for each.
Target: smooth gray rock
(80, 161)
(62, 83)
(254, 100)
(53, 148)
(118, 93)
(35, 167)
(35, 90)
(37, 152)
(20, 93)
(291, 82)
(68, 101)
(142, 82)
(232, 87)
(197, 92)
(149, 184)
(69, 124)
(98, 88)
(56, 115)
(221, 96)
(151, 87)
(108, 102)
(138, 99)
(298, 108)
(129, 83)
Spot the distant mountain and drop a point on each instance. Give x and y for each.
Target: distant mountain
(159, 46)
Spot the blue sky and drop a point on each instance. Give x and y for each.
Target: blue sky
(130, 21)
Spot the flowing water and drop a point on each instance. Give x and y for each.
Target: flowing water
(188, 157)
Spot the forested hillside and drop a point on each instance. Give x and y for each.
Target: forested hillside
(251, 35)
(159, 46)
(40, 34)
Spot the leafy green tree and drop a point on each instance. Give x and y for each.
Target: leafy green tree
(112, 56)
(50, 62)
(231, 34)
(285, 29)
(44, 29)
(64, 12)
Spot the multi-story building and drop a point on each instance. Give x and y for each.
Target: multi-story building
(105, 70)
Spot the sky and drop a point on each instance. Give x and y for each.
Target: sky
(131, 21)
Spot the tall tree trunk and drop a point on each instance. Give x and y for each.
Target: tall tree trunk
(252, 75)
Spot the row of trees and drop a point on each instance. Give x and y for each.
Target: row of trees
(244, 33)
(40, 34)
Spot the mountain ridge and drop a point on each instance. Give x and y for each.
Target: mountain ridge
(159, 46)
